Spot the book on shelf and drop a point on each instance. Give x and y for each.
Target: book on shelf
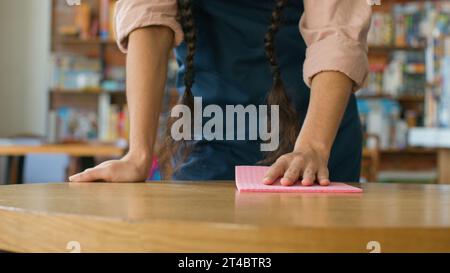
(382, 118)
(74, 72)
(77, 72)
(71, 124)
(381, 30)
(115, 78)
(437, 93)
(88, 21)
(104, 21)
(107, 8)
(405, 26)
(83, 21)
(118, 123)
(444, 100)
(114, 120)
(403, 76)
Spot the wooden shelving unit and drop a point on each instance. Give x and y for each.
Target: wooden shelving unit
(93, 47)
(382, 54)
(107, 52)
(403, 159)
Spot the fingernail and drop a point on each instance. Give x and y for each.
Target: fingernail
(284, 180)
(325, 182)
(266, 180)
(71, 178)
(287, 182)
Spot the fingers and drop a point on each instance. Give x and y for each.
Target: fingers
(292, 167)
(275, 171)
(292, 173)
(90, 175)
(309, 175)
(323, 176)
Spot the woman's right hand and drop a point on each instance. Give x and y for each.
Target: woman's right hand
(126, 169)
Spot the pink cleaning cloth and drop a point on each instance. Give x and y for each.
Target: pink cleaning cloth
(250, 179)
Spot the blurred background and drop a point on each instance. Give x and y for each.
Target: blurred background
(63, 106)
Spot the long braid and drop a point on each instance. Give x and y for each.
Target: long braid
(289, 124)
(288, 119)
(190, 37)
(171, 147)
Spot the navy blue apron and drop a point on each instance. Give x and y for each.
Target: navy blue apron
(231, 68)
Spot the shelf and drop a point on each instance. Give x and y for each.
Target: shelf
(374, 97)
(403, 98)
(401, 151)
(409, 150)
(411, 98)
(87, 92)
(77, 41)
(389, 49)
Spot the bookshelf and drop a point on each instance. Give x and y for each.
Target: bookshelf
(75, 36)
(88, 74)
(412, 35)
(390, 37)
(407, 41)
(82, 90)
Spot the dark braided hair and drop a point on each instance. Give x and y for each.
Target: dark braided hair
(289, 124)
(190, 37)
(171, 147)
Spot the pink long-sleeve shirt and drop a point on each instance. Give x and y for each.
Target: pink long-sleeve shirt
(335, 32)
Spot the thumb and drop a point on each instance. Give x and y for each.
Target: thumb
(90, 175)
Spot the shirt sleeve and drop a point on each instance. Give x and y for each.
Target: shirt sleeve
(335, 32)
(134, 14)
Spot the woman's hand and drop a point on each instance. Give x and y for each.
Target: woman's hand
(147, 59)
(330, 92)
(127, 169)
(306, 163)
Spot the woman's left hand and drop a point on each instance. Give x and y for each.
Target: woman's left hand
(305, 163)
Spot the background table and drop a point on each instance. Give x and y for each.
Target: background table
(81, 154)
(76, 149)
(204, 217)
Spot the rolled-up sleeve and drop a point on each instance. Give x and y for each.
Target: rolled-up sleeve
(134, 14)
(335, 32)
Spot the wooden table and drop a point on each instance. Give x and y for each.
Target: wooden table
(214, 217)
(79, 153)
(68, 149)
(410, 159)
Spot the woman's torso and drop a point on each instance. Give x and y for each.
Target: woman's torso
(231, 69)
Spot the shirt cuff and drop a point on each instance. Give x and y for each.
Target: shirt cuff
(132, 19)
(337, 53)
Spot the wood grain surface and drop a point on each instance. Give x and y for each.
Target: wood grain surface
(214, 217)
